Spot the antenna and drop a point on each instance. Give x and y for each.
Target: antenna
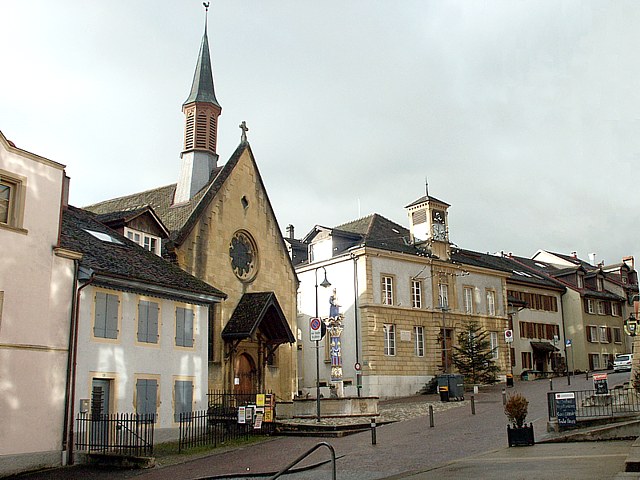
(426, 186)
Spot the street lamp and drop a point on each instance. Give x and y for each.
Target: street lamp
(325, 284)
(631, 326)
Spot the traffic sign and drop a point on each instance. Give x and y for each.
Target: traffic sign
(567, 342)
(315, 329)
(508, 336)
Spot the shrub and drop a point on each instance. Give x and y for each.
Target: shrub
(516, 409)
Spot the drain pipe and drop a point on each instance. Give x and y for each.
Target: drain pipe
(67, 393)
(82, 274)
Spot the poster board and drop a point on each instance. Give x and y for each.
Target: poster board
(600, 383)
(566, 409)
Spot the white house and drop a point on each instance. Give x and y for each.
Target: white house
(142, 324)
(36, 284)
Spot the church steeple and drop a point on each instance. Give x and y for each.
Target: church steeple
(201, 111)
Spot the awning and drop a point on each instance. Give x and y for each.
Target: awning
(544, 347)
(258, 312)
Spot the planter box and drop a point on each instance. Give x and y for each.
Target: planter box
(520, 436)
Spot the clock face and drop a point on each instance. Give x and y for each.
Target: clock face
(439, 231)
(437, 216)
(244, 256)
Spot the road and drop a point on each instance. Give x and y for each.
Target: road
(402, 449)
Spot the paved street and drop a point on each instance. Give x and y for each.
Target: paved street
(461, 445)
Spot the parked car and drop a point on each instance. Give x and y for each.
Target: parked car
(623, 362)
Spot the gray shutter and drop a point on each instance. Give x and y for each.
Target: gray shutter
(152, 330)
(180, 326)
(143, 321)
(112, 316)
(99, 322)
(184, 397)
(147, 391)
(188, 328)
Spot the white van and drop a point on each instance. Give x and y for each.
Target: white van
(623, 362)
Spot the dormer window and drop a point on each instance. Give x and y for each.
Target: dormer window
(145, 240)
(321, 250)
(580, 280)
(600, 284)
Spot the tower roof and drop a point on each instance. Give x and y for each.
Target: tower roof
(202, 87)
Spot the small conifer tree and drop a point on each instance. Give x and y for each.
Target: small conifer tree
(473, 356)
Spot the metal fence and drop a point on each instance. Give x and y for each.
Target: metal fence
(123, 433)
(617, 402)
(219, 423)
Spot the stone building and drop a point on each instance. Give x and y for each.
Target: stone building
(222, 229)
(404, 295)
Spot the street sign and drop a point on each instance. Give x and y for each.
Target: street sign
(315, 329)
(567, 342)
(508, 336)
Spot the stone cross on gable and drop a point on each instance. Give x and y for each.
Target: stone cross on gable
(245, 129)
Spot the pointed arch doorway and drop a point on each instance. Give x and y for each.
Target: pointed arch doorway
(246, 373)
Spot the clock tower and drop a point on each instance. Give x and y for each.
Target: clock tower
(428, 222)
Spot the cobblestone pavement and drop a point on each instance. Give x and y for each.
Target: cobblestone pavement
(404, 448)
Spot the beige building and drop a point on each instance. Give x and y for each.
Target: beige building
(222, 229)
(404, 294)
(36, 284)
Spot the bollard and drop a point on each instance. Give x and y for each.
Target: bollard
(504, 396)
(551, 384)
(473, 405)
(431, 416)
(586, 374)
(373, 431)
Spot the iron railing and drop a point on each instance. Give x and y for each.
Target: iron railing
(122, 433)
(616, 402)
(219, 423)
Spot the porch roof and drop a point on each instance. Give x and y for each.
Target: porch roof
(258, 312)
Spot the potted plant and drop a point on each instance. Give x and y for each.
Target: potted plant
(516, 410)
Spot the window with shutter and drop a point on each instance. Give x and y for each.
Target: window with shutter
(146, 396)
(184, 327)
(105, 322)
(183, 398)
(148, 321)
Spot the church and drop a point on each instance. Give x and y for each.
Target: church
(217, 223)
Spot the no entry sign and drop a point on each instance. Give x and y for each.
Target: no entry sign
(315, 329)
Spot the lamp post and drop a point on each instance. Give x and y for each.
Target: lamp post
(444, 309)
(325, 284)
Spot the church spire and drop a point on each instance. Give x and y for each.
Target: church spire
(202, 89)
(201, 111)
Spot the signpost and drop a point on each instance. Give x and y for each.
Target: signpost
(315, 329)
(508, 336)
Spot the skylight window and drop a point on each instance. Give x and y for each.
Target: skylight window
(522, 274)
(105, 237)
(541, 265)
(395, 230)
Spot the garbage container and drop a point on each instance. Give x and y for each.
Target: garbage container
(444, 393)
(509, 379)
(454, 386)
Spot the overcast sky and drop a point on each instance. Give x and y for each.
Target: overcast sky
(524, 115)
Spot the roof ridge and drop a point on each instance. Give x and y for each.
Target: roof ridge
(130, 195)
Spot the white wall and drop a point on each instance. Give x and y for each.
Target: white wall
(34, 321)
(124, 359)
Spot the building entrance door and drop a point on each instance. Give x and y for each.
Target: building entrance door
(245, 373)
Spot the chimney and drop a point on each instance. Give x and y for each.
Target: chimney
(574, 254)
(592, 259)
(65, 191)
(290, 231)
(629, 262)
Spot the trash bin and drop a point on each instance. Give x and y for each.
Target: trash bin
(444, 393)
(509, 379)
(454, 386)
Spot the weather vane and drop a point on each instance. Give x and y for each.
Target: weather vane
(206, 6)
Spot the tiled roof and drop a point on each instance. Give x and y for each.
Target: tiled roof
(124, 259)
(180, 218)
(377, 231)
(424, 199)
(258, 311)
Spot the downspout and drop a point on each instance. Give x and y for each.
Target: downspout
(355, 316)
(74, 353)
(67, 393)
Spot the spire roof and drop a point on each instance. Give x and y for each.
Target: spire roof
(202, 87)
